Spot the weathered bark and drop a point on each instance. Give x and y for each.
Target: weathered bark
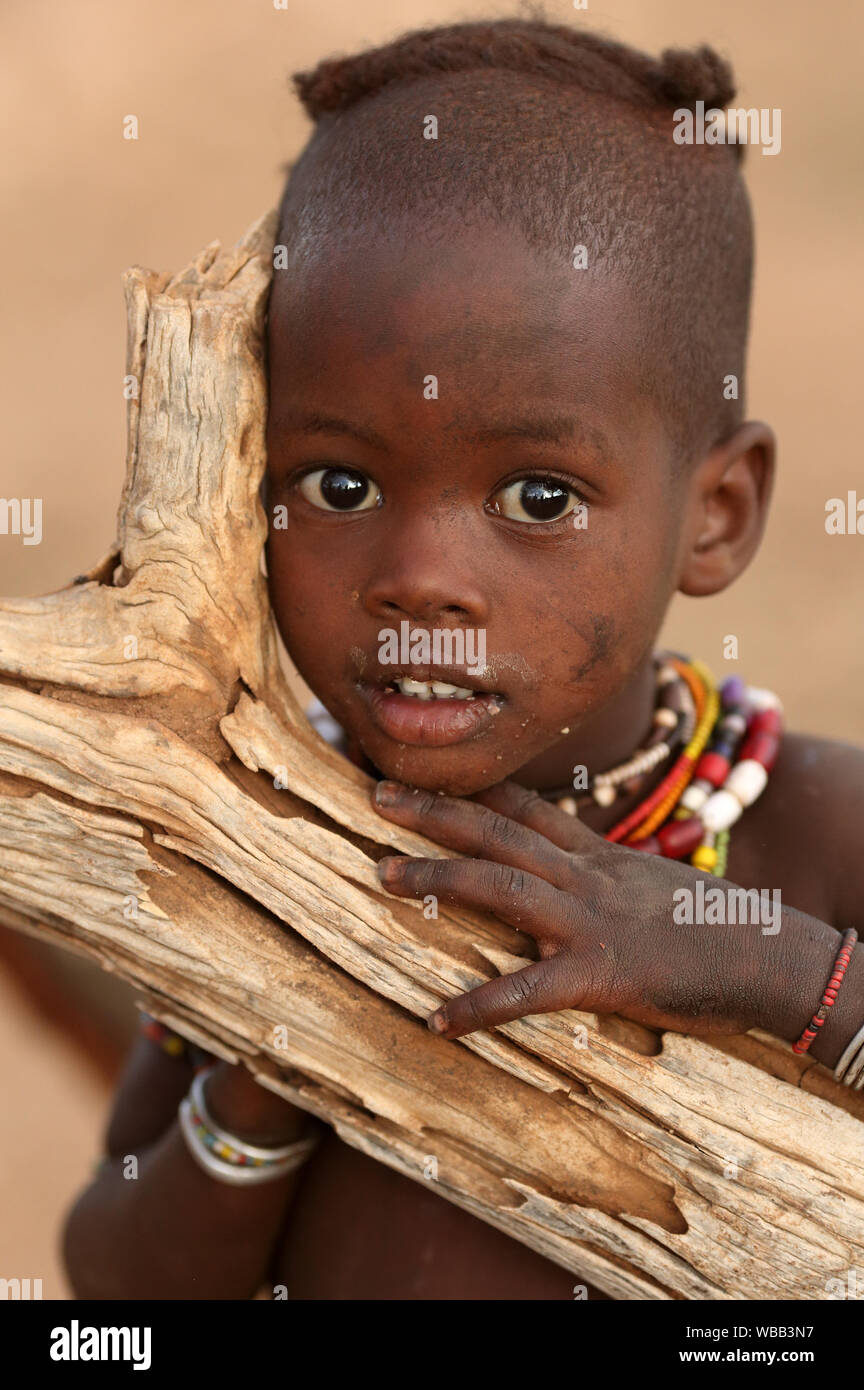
(144, 721)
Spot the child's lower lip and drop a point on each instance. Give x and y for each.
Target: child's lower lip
(430, 723)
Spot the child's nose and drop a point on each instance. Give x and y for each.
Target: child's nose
(429, 589)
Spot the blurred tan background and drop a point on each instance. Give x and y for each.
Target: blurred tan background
(207, 80)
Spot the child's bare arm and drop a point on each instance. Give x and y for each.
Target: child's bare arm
(173, 1232)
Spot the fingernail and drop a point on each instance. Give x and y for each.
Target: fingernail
(386, 793)
(437, 1022)
(386, 869)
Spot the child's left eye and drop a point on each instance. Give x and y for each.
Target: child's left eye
(535, 500)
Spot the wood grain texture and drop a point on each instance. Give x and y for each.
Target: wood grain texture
(166, 810)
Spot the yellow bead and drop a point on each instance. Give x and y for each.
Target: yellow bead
(174, 1046)
(705, 857)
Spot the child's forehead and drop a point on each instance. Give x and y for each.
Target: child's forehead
(410, 253)
(510, 345)
(478, 290)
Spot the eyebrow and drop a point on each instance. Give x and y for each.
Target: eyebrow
(316, 423)
(554, 429)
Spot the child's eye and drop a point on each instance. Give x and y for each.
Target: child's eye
(340, 490)
(535, 499)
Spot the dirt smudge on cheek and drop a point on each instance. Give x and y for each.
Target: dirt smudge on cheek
(514, 662)
(600, 647)
(359, 660)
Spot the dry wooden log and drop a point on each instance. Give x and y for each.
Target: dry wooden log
(145, 726)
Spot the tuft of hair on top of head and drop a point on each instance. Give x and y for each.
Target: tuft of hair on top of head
(565, 138)
(534, 47)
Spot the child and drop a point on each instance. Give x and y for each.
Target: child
(497, 412)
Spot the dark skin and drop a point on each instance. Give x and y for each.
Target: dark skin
(540, 374)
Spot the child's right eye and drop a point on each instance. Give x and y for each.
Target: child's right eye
(340, 490)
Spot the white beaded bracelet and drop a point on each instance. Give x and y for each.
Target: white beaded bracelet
(850, 1068)
(253, 1163)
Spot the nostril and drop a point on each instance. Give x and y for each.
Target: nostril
(423, 612)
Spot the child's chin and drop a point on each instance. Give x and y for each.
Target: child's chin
(452, 771)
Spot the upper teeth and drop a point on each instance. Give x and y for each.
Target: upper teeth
(430, 690)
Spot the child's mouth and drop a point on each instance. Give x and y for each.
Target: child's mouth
(430, 690)
(432, 712)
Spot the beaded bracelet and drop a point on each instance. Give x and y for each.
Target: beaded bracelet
(844, 956)
(228, 1158)
(850, 1068)
(172, 1044)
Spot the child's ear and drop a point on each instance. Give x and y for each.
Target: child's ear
(728, 505)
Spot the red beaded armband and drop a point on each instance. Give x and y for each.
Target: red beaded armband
(844, 956)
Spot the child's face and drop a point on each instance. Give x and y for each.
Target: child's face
(538, 378)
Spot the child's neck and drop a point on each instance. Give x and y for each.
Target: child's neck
(601, 741)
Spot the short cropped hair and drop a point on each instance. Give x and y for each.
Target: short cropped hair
(565, 137)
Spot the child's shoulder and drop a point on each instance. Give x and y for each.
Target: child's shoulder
(806, 829)
(824, 778)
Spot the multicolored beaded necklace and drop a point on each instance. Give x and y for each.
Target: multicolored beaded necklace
(729, 737)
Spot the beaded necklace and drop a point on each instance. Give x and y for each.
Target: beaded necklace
(731, 738)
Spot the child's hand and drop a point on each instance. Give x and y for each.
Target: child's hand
(601, 916)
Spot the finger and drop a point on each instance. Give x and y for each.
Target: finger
(529, 809)
(539, 988)
(522, 899)
(469, 828)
